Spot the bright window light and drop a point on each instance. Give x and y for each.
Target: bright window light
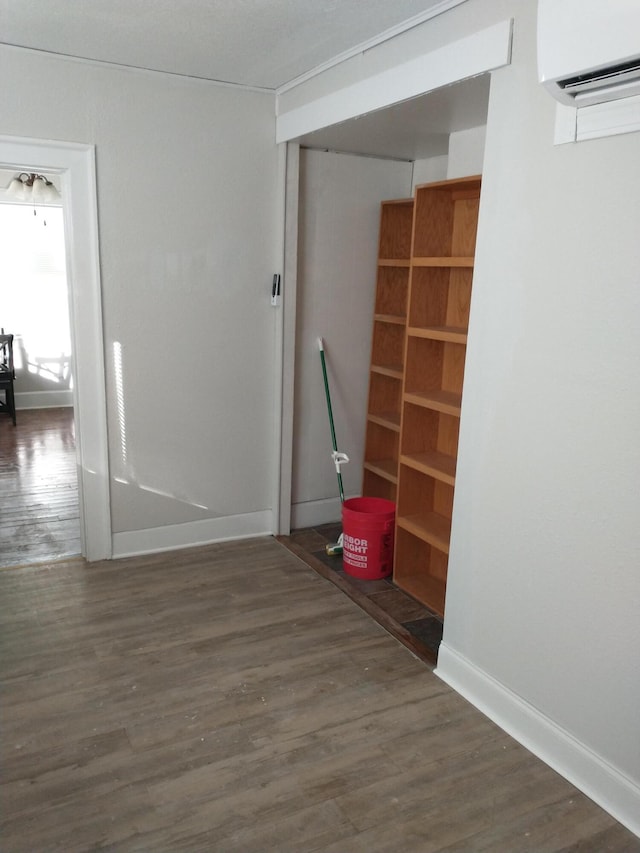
(34, 302)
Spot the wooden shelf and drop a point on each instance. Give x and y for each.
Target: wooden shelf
(394, 262)
(424, 588)
(386, 374)
(440, 297)
(433, 463)
(392, 290)
(392, 370)
(453, 334)
(385, 468)
(443, 262)
(445, 217)
(374, 486)
(396, 220)
(430, 527)
(388, 420)
(424, 274)
(448, 402)
(394, 319)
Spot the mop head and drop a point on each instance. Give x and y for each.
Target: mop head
(335, 548)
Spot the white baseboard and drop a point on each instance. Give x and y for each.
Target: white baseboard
(191, 533)
(312, 513)
(608, 787)
(43, 399)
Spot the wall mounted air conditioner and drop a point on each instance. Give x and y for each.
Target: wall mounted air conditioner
(589, 50)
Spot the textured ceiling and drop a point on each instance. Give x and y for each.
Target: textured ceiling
(261, 43)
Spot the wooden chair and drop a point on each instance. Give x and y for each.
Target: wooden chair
(7, 376)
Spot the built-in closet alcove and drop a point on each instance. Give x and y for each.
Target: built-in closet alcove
(345, 173)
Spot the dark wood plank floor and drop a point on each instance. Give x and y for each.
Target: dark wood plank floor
(229, 698)
(39, 511)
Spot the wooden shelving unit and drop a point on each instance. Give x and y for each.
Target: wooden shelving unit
(440, 275)
(387, 351)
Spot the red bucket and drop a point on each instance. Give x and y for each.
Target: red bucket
(367, 537)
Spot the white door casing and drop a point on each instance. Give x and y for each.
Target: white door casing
(75, 164)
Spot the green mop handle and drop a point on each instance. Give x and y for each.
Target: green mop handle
(329, 409)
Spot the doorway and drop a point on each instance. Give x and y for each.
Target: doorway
(39, 502)
(34, 299)
(435, 138)
(74, 164)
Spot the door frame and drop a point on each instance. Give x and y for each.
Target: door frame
(285, 336)
(75, 164)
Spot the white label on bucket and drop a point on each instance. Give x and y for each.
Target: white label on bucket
(354, 559)
(355, 545)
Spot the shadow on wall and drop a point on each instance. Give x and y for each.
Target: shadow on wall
(42, 372)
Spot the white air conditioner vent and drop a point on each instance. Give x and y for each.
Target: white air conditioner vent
(589, 51)
(617, 81)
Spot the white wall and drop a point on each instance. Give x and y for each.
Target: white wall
(466, 152)
(187, 174)
(340, 199)
(544, 583)
(428, 170)
(541, 626)
(465, 156)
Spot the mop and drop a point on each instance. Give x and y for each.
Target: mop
(338, 457)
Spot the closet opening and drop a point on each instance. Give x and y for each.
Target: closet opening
(346, 173)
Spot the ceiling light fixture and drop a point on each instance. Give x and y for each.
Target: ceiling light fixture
(33, 188)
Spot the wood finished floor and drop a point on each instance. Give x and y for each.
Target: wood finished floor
(39, 521)
(229, 698)
(39, 512)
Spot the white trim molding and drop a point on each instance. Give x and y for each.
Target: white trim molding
(605, 785)
(44, 399)
(476, 54)
(285, 342)
(312, 513)
(191, 534)
(610, 119)
(578, 124)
